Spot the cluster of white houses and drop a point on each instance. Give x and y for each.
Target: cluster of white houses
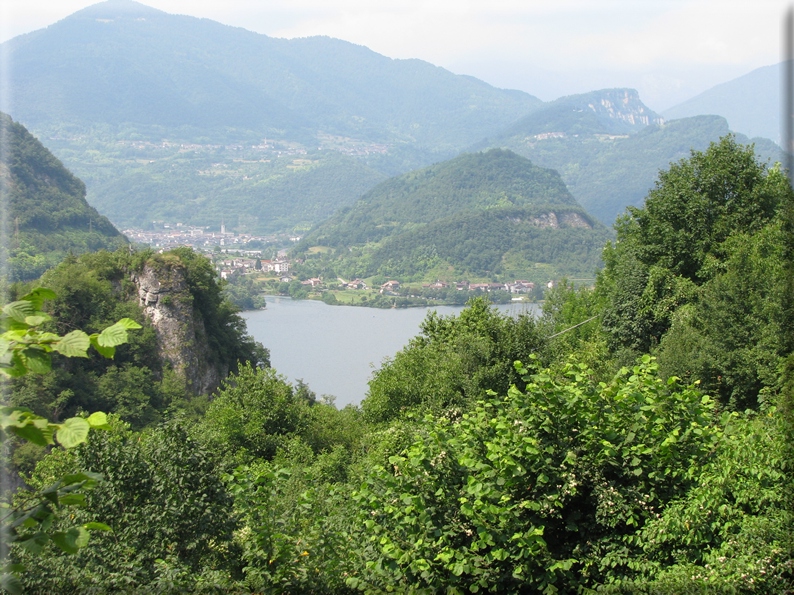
(391, 287)
(228, 267)
(173, 235)
(514, 287)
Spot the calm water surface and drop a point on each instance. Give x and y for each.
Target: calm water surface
(335, 349)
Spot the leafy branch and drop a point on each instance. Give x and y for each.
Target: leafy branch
(24, 349)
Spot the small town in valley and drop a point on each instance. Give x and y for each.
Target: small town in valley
(265, 259)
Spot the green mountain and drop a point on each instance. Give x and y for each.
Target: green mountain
(132, 97)
(608, 147)
(750, 103)
(122, 63)
(491, 214)
(46, 213)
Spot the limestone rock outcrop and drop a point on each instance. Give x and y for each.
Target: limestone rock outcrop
(165, 297)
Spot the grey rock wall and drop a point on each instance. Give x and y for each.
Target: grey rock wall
(165, 297)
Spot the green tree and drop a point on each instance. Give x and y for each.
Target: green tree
(681, 249)
(252, 415)
(731, 532)
(454, 361)
(541, 490)
(28, 520)
(730, 338)
(171, 516)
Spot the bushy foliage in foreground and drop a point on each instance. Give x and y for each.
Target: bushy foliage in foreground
(169, 513)
(700, 273)
(732, 532)
(568, 484)
(543, 489)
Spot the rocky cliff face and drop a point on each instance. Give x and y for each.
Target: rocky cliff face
(164, 295)
(623, 105)
(558, 220)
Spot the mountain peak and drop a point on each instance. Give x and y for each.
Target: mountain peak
(112, 9)
(607, 111)
(616, 104)
(750, 103)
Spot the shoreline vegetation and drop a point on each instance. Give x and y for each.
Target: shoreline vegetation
(249, 293)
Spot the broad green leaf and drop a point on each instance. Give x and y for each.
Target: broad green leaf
(47, 338)
(5, 345)
(11, 583)
(39, 318)
(72, 432)
(72, 540)
(31, 433)
(11, 415)
(38, 295)
(72, 500)
(16, 335)
(19, 310)
(113, 336)
(108, 352)
(37, 360)
(94, 526)
(86, 476)
(35, 543)
(98, 420)
(74, 344)
(15, 367)
(128, 324)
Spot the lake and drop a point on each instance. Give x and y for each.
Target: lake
(335, 349)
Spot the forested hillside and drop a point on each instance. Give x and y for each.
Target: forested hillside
(149, 376)
(250, 190)
(200, 119)
(199, 122)
(483, 214)
(637, 438)
(45, 215)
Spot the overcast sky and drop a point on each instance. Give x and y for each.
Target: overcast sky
(669, 50)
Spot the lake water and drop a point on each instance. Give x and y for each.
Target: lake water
(335, 349)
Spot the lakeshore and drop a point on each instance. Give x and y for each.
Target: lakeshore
(335, 350)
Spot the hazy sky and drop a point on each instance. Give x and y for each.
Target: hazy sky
(669, 50)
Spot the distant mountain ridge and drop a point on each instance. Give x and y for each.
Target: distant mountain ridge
(170, 117)
(609, 147)
(122, 63)
(47, 215)
(750, 103)
(615, 111)
(174, 118)
(484, 214)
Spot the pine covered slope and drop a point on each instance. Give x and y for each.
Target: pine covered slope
(46, 213)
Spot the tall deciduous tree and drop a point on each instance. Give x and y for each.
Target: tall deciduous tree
(704, 240)
(453, 362)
